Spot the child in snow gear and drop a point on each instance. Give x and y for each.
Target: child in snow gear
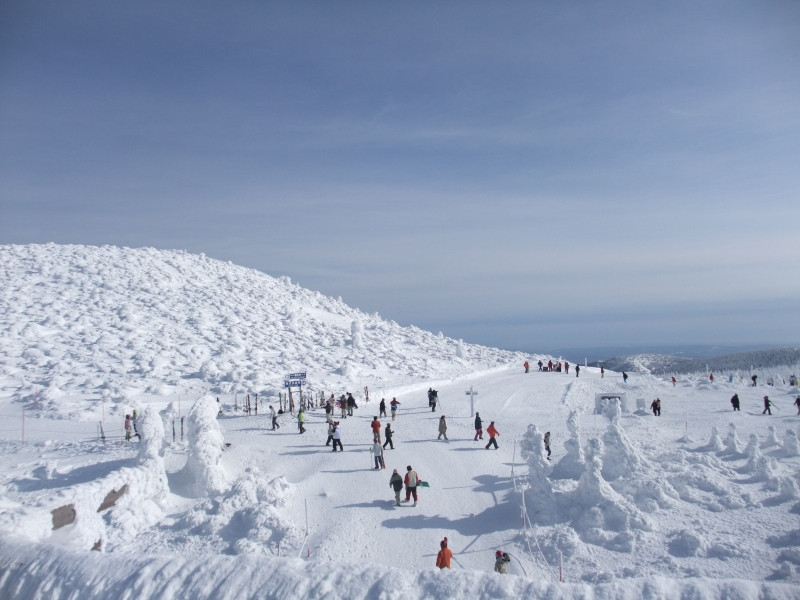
(388, 434)
(377, 452)
(394, 404)
(444, 556)
(337, 437)
(396, 483)
(376, 428)
(442, 428)
(767, 405)
(501, 560)
(478, 427)
(735, 402)
(382, 408)
(547, 443)
(411, 480)
(493, 433)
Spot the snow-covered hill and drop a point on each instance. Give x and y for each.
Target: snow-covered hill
(701, 502)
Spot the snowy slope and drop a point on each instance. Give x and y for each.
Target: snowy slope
(700, 502)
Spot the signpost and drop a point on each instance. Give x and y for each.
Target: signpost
(294, 380)
(471, 393)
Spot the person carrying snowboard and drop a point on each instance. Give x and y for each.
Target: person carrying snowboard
(735, 402)
(396, 483)
(767, 405)
(493, 433)
(478, 427)
(442, 428)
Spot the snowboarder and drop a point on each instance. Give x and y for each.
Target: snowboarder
(493, 433)
(411, 480)
(735, 402)
(394, 404)
(767, 405)
(382, 408)
(442, 428)
(274, 416)
(797, 404)
(444, 556)
(128, 428)
(754, 378)
(376, 428)
(577, 370)
(527, 366)
(624, 377)
(337, 437)
(377, 452)
(501, 560)
(478, 427)
(547, 443)
(388, 434)
(396, 483)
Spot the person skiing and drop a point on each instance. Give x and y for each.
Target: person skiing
(501, 560)
(577, 370)
(797, 404)
(377, 452)
(735, 402)
(547, 443)
(754, 378)
(411, 480)
(376, 428)
(493, 433)
(396, 483)
(128, 428)
(337, 437)
(301, 418)
(478, 427)
(767, 405)
(442, 428)
(274, 416)
(444, 556)
(394, 404)
(388, 435)
(527, 366)
(382, 408)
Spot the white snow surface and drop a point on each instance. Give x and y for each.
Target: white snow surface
(700, 502)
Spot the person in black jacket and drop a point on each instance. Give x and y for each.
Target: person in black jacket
(478, 427)
(735, 402)
(396, 483)
(388, 435)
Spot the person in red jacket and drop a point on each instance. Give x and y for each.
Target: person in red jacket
(376, 429)
(493, 433)
(444, 556)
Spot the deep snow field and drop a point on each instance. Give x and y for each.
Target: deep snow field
(700, 502)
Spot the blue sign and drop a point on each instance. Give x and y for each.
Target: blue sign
(296, 376)
(293, 383)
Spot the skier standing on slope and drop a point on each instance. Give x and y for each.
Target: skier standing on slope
(767, 405)
(444, 556)
(396, 483)
(376, 428)
(478, 427)
(735, 402)
(493, 433)
(377, 452)
(411, 480)
(442, 428)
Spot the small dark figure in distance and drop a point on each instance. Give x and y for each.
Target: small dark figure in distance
(767, 405)
(547, 444)
(735, 402)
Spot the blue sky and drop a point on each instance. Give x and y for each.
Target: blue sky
(521, 174)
